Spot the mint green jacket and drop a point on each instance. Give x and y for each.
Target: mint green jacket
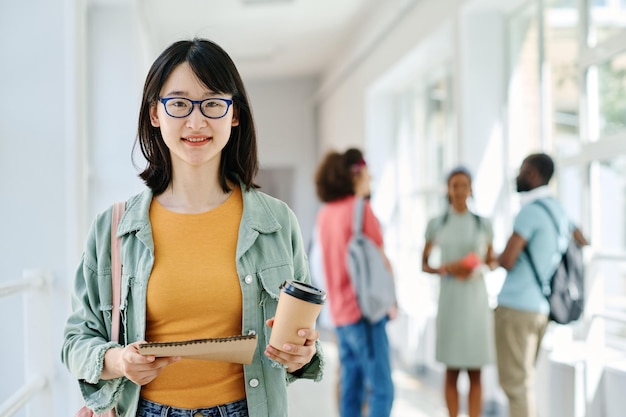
(269, 251)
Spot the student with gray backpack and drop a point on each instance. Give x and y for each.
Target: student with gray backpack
(342, 184)
(541, 232)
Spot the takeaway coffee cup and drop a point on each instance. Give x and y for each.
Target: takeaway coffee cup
(299, 304)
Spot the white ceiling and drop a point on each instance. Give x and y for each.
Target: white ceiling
(265, 38)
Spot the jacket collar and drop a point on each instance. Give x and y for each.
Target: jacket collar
(257, 214)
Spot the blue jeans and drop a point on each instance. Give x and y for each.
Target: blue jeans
(151, 409)
(365, 369)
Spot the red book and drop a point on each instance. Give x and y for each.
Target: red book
(471, 261)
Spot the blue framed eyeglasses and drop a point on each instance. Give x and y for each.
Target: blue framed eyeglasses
(179, 107)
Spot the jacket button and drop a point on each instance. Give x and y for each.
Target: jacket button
(254, 383)
(248, 279)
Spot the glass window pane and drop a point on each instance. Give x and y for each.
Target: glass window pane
(608, 215)
(570, 183)
(609, 279)
(608, 187)
(607, 97)
(607, 18)
(561, 62)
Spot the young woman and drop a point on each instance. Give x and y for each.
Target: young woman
(464, 329)
(203, 255)
(365, 369)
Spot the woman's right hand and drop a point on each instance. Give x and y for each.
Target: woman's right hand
(128, 362)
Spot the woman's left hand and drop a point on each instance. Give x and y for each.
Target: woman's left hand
(294, 356)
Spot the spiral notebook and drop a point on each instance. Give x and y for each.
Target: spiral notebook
(237, 349)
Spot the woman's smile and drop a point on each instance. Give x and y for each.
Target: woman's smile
(197, 140)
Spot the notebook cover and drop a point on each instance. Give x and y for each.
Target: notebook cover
(237, 349)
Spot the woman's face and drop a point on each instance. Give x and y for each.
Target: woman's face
(194, 140)
(459, 190)
(362, 182)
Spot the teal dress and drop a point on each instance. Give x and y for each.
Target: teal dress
(464, 326)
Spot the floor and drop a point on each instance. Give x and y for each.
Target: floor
(414, 398)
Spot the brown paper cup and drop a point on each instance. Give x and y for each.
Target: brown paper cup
(299, 305)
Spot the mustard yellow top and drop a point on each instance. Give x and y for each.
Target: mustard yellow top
(194, 293)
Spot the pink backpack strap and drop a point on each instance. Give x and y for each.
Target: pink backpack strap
(116, 269)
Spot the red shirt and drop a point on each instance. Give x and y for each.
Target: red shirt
(334, 229)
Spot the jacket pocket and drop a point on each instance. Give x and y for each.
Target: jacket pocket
(272, 277)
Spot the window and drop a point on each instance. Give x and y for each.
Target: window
(608, 184)
(607, 94)
(562, 91)
(609, 205)
(546, 79)
(607, 18)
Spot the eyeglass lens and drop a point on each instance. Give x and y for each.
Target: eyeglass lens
(181, 107)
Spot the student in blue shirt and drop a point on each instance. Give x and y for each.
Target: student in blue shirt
(521, 317)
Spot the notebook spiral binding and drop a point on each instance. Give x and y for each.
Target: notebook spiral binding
(196, 341)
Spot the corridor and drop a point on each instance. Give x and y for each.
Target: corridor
(421, 86)
(413, 398)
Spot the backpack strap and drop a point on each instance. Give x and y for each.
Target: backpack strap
(444, 220)
(547, 209)
(545, 289)
(357, 219)
(116, 270)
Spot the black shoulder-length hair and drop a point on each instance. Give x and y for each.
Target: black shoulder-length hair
(216, 70)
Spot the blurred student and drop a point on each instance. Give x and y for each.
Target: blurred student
(464, 328)
(521, 317)
(364, 356)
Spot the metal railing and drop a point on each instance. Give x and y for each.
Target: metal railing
(36, 393)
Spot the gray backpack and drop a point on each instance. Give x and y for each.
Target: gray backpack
(370, 277)
(565, 291)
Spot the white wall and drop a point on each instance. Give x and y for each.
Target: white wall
(114, 88)
(33, 163)
(284, 115)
